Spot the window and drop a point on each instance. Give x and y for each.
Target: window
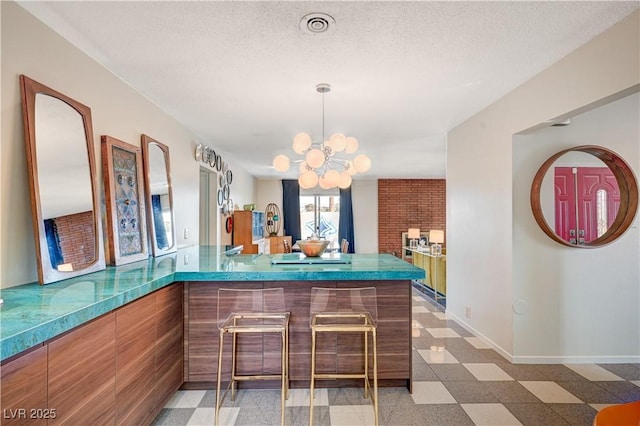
(320, 213)
(601, 211)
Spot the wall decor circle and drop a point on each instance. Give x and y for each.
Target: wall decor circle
(272, 223)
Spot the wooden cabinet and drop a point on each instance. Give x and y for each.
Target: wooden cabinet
(120, 368)
(82, 367)
(24, 389)
(169, 350)
(135, 362)
(248, 230)
(276, 244)
(262, 354)
(435, 271)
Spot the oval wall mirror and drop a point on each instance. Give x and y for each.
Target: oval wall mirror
(584, 197)
(62, 180)
(159, 196)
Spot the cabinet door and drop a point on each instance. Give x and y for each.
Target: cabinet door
(82, 372)
(203, 337)
(24, 390)
(135, 362)
(169, 343)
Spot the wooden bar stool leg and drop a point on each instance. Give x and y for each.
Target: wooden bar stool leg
(283, 374)
(375, 377)
(233, 366)
(219, 378)
(366, 365)
(313, 375)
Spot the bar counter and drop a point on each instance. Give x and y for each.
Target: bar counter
(33, 314)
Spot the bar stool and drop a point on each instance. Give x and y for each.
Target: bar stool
(345, 310)
(252, 311)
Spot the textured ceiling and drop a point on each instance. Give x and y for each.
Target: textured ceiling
(242, 75)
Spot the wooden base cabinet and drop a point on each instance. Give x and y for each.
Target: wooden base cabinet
(169, 348)
(120, 368)
(24, 389)
(135, 362)
(82, 374)
(261, 354)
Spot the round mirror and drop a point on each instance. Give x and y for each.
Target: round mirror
(585, 196)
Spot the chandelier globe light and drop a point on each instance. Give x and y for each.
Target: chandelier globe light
(324, 163)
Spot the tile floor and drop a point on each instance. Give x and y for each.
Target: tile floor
(457, 381)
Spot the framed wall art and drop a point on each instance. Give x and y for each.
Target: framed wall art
(124, 199)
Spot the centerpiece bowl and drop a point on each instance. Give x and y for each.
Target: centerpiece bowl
(313, 248)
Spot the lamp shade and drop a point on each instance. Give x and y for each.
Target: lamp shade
(436, 236)
(281, 163)
(315, 158)
(413, 233)
(362, 163)
(301, 142)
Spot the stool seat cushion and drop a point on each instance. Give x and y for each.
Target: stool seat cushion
(619, 415)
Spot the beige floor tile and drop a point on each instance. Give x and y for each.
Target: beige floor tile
(431, 393)
(595, 373)
(351, 415)
(487, 371)
(437, 357)
(442, 332)
(490, 415)
(550, 392)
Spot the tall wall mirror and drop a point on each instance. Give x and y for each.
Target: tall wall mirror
(62, 181)
(157, 177)
(585, 196)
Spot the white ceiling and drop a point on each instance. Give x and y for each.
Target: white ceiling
(242, 75)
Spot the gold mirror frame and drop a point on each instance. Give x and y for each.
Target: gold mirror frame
(47, 273)
(627, 184)
(151, 170)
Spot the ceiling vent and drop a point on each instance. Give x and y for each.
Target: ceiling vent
(316, 23)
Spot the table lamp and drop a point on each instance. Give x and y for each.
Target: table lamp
(436, 237)
(413, 234)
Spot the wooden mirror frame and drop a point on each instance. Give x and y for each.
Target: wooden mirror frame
(627, 184)
(146, 142)
(46, 272)
(124, 199)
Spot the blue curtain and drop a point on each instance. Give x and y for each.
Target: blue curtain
(345, 223)
(291, 208)
(53, 243)
(158, 223)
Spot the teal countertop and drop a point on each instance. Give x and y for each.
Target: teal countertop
(32, 314)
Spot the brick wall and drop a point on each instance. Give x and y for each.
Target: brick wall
(408, 203)
(77, 239)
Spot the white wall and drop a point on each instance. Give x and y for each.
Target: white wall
(487, 270)
(31, 48)
(570, 292)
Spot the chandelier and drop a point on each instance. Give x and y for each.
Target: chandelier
(325, 163)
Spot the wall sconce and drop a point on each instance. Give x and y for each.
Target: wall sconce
(436, 237)
(413, 234)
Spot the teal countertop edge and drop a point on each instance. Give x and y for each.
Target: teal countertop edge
(32, 314)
